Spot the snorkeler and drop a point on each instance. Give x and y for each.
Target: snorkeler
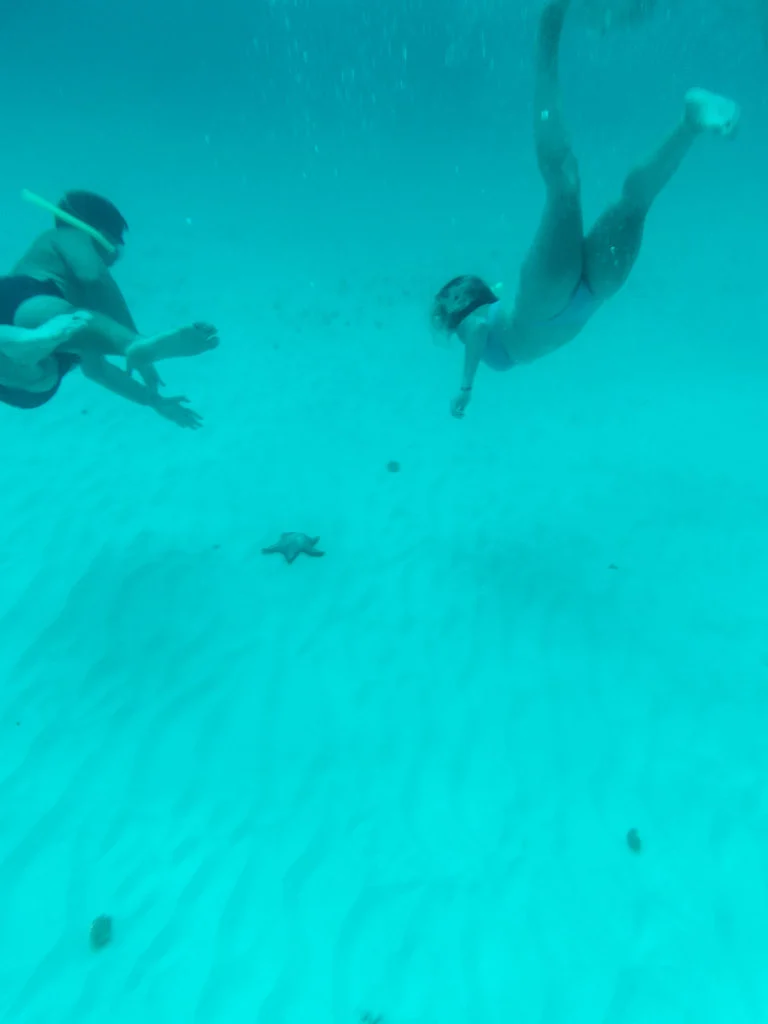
(61, 308)
(566, 276)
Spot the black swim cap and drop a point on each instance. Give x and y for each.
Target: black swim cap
(95, 211)
(457, 299)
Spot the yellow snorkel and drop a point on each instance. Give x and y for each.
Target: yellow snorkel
(74, 222)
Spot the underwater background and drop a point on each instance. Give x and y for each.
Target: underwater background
(500, 754)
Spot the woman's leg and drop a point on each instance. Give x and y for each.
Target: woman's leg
(613, 244)
(552, 270)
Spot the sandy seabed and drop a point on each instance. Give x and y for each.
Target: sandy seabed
(396, 781)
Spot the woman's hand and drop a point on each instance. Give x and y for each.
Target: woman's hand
(174, 409)
(460, 403)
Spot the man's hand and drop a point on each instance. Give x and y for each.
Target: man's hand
(174, 409)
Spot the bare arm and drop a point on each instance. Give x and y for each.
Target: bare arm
(104, 296)
(101, 371)
(474, 336)
(100, 294)
(474, 346)
(99, 290)
(79, 254)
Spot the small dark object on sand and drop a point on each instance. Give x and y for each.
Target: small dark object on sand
(393, 466)
(291, 545)
(101, 932)
(634, 842)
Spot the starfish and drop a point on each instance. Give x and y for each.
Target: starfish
(291, 545)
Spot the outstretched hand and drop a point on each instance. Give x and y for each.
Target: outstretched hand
(460, 403)
(175, 409)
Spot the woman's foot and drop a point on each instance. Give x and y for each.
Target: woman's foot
(707, 112)
(184, 341)
(58, 333)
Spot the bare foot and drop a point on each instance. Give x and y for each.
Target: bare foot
(184, 341)
(708, 112)
(57, 333)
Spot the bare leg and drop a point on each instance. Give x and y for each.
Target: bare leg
(552, 270)
(28, 346)
(184, 341)
(103, 336)
(613, 244)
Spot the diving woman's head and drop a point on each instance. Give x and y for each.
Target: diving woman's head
(458, 299)
(98, 213)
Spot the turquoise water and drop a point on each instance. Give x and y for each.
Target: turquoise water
(397, 781)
